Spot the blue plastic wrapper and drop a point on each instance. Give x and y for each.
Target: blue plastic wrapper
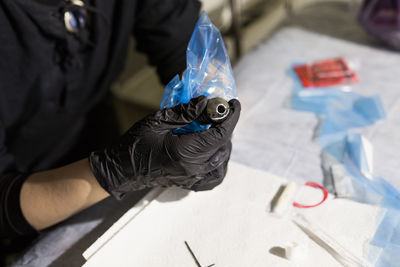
(347, 160)
(355, 178)
(208, 72)
(384, 249)
(359, 183)
(339, 110)
(360, 169)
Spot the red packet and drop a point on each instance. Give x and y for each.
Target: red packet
(326, 73)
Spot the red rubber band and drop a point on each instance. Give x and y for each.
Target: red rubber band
(315, 185)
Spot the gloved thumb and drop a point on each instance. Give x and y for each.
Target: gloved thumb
(181, 115)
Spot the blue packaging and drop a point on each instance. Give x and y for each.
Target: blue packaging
(208, 72)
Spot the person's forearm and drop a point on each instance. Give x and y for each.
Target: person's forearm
(49, 197)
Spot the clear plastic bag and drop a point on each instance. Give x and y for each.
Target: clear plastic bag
(208, 71)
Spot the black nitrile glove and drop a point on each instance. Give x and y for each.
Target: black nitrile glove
(150, 155)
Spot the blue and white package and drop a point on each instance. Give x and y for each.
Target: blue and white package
(208, 71)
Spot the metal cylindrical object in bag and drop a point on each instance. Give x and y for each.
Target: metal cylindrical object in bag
(217, 110)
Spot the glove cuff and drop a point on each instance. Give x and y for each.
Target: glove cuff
(101, 172)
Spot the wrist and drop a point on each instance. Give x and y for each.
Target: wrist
(109, 174)
(51, 196)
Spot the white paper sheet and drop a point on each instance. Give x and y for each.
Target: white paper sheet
(231, 226)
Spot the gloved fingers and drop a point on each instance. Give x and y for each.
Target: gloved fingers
(199, 182)
(216, 136)
(229, 124)
(219, 158)
(182, 182)
(180, 115)
(211, 179)
(197, 168)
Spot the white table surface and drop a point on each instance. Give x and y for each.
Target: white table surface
(232, 226)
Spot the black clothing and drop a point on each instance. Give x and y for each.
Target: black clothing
(50, 79)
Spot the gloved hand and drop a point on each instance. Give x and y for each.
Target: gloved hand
(150, 155)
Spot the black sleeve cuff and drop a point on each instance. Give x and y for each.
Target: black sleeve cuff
(12, 221)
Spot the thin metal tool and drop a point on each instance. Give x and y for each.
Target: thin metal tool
(194, 257)
(191, 252)
(341, 254)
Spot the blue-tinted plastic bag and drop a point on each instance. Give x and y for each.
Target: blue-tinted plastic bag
(208, 71)
(356, 180)
(384, 248)
(338, 110)
(347, 161)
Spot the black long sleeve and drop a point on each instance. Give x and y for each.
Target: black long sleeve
(12, 221)
(51, 79)
(163, 30)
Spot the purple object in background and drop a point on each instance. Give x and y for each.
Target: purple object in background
(381, 18)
